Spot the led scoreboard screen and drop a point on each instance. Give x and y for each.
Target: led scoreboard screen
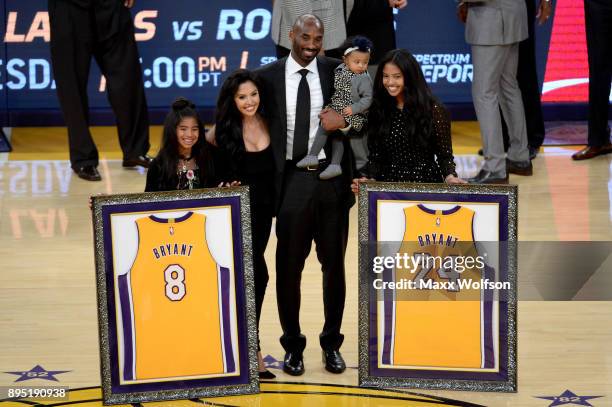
(187, 48)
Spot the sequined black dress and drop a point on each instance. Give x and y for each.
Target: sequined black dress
(398, 156)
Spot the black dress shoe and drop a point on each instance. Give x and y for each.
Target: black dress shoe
(487, 177)
(293, 364)
(142, 160)
(519, 167)
(592, 151)
(533, 152)
(266, 374)
(88, 172)
(333, 361)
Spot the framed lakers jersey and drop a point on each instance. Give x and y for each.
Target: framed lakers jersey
(437, 286)
(175, 295)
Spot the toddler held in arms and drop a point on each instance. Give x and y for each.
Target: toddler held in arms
(352, 97)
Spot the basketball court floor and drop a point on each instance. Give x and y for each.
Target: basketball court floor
(48, 311)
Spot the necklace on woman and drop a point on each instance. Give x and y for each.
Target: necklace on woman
(183, 162)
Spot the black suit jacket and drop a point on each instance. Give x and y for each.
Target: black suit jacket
(272, 77)
(373, 19)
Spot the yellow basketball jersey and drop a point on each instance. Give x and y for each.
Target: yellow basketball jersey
(437, 327)
(176, 305)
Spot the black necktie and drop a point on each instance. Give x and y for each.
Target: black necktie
(302, 118)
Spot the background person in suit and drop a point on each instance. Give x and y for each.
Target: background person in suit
(295, 89)
(372, 19)
(494, 29)
(598, 24)
(103, 29)
(333, 14)
(527, 77)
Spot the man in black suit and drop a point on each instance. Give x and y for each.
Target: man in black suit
(103, 29)
(295, 90)
(372, 19)
(527, 77)
(598, 25)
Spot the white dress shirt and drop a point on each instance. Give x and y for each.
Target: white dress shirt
(292, 81)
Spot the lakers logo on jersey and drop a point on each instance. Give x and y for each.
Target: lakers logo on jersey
(430, 327)
(175, 304)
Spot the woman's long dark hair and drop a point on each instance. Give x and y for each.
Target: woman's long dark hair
(228, 120)
(418, 99)
(169, 151)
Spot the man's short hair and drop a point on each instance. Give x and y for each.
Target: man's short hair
(301, 20)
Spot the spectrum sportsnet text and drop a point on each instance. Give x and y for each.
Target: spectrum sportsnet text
(452, 68)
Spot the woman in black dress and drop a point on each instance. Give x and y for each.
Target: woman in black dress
(408, 128)
(184, 160)
(243, 140)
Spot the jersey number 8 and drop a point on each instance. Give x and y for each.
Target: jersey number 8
(175, 282)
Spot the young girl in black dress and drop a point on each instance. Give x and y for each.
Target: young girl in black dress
(184, 160)
(243, 140)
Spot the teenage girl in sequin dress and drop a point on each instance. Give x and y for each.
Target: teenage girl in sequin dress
(409, 135)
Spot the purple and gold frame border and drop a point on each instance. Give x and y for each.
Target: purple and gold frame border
(248, 381)
(507, 196)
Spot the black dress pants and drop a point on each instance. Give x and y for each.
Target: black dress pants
(103, 29)
(527, 77)
(261, 221)
(598, 21)
(311, 210)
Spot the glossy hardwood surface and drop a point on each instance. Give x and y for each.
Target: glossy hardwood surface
(48, 312)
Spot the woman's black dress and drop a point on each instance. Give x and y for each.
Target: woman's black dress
(256, 169)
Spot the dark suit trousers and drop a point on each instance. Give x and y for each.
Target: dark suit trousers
(101, 29)
(311, 209)
(527, 77)
(598, 19)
